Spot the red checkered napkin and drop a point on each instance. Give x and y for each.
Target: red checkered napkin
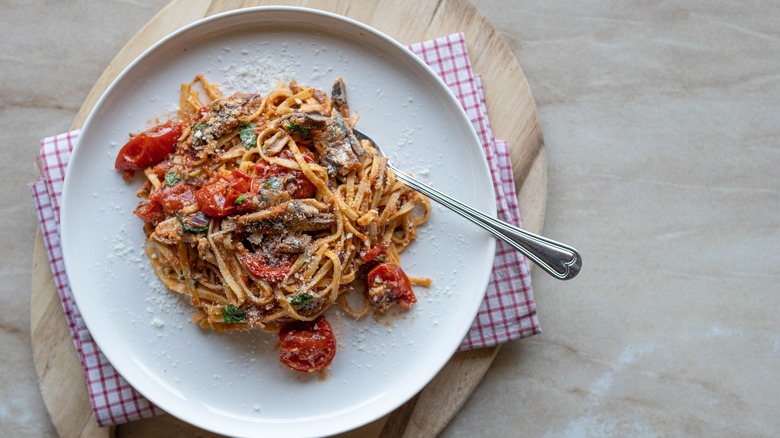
(508, 311)
(113, 400)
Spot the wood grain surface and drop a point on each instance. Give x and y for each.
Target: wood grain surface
(513, 116)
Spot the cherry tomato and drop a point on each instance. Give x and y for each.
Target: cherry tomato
(307, 155)
(300, 186)
(304, 188)
(239, 182)
(147, 148)
(162, 168)
(375, 251)
(270, 271)
(218, 197)
(387, 283)
(150, 212)
(307, 346)
(173, 198)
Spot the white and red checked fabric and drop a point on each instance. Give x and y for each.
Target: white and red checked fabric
(113, 400)
(508, 311)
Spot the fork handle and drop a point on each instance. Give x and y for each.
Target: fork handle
(559, 260)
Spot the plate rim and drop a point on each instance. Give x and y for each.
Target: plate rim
(93, 114)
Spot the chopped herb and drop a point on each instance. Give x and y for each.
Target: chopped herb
(300, 299)
(171, 178)
(190, 227)
(232, 314)
(200, 126)
(300, 130)
(272, 183)
(240, 200)
(247, 135)
(193, 230)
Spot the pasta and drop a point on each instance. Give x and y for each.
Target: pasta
(266, 210)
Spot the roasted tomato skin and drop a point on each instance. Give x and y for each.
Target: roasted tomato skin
(150, 212)
(394, 285)
(217, 198)
(300, 186)
(374, 253)
(173, 198)
(308, 156)
(148, 148)
(304, 188)
(165, 200)
(259, 267)
(307, 346)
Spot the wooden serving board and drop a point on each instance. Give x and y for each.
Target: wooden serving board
(513, 116)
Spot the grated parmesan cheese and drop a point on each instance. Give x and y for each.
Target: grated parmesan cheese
(259, 73)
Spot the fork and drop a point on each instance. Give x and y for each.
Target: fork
(559, 260)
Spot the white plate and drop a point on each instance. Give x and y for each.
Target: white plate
(233, 383)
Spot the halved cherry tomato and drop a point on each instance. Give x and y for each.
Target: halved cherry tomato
(301, 187)
(307, 155)
(387, 283)
(270, 271)
(375, 251)
(147, 148)
(173, 198)
(218, 197)
(307, 346)
(150, 212)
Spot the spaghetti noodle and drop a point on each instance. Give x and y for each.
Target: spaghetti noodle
(265, 210)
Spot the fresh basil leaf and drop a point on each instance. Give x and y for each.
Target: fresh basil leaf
(300, 299)
(232, 314)
(195, 223)
(171, 178)
(300, 130)
(247, 135)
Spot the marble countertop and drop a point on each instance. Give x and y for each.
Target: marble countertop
(663, 141)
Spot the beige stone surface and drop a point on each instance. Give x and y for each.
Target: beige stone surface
(663, 140)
